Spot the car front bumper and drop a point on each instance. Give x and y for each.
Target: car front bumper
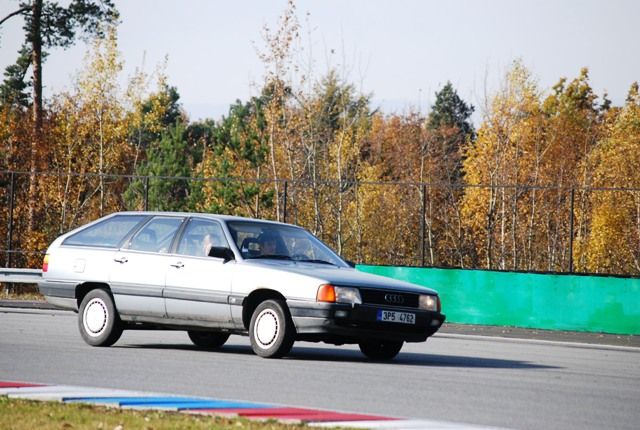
(344, 323)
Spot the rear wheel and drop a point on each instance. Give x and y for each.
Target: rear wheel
(98, 320)
(205, 339)
(271, 329)
(380, 350)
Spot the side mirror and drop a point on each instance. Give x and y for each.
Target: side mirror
(221, 252)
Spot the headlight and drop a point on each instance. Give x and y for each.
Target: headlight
(348, 295)
(329, 293)
(429, 303)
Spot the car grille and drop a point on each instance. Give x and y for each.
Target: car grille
(389, 298)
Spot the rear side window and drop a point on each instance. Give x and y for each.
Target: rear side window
(106, 234)
(156, 235)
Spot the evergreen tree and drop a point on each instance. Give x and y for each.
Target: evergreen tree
(450, 130)
(237, 152)
(167, 157)
(47, 25)
(450, 110)
(155, 119)
(13, 91)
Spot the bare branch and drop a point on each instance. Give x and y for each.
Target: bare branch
(12, 14)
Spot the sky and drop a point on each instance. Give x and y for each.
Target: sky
(400, 51)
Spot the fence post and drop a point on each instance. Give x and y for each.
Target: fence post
(571, 206)
(284, 202)
(423, 225)
(12, 187)
(145, 187)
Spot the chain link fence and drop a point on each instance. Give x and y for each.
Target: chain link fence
(499, 227)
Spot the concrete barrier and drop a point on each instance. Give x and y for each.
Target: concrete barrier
(602, 304)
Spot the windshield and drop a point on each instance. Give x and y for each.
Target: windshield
(282, 242)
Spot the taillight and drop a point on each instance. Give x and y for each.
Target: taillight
(326, 293)
(45, 263)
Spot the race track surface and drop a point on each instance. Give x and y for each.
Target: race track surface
(491, 381)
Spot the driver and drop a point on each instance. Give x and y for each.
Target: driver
(268, 243)
(207, 243)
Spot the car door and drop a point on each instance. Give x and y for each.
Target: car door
(86, 255)
(198, 286)
(138, 269)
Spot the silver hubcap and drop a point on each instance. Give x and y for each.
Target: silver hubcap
(95, 317)
(267, 327)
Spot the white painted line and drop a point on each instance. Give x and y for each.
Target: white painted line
(504, 339)
(61, 395)
(403, 424)
(44, 389)
(143, 407)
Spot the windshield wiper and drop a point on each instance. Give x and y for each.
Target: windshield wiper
(315, 261)
(271, 257)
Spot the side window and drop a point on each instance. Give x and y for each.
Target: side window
(156, 235)
(199, 236)
(107, 234)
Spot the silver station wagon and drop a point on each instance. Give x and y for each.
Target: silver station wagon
(214, 275)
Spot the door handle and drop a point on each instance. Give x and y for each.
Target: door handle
(178, 265)
(121, 260)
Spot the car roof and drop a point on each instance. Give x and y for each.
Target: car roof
(199, 214)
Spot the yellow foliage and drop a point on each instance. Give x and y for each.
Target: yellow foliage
(613, 243)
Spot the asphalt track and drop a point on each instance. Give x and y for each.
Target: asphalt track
(479, 380)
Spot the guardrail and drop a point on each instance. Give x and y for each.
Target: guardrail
(20, 276)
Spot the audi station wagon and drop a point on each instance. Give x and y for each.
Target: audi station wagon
(214, 276)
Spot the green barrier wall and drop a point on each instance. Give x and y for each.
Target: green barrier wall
(553, 302)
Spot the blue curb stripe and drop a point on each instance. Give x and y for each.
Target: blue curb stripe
(168, 402)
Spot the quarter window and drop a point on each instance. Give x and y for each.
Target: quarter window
(105, 234)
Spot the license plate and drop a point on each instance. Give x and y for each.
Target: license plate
(397, 317)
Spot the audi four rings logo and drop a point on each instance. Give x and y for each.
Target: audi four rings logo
(396, 299)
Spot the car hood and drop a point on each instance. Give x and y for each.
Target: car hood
(344, 276)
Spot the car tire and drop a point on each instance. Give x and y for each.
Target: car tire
(271, 330)
(380, 350)
(98, 320)
(206, 339)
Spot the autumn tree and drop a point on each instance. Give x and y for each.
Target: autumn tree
(277, 57)
(89, 138)
(613, 241)
(573, 126)
(507, 153)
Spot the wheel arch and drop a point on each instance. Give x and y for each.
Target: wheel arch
(256, 297)
(83, 289)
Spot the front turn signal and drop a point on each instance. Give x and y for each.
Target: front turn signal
(326, 293)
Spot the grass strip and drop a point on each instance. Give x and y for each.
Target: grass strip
(19, 414)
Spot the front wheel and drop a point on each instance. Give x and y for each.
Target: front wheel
(205, 339)
(271, 330)
(380, 350)
(98, 319)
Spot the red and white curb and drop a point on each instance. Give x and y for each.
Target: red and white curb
(215, 407)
